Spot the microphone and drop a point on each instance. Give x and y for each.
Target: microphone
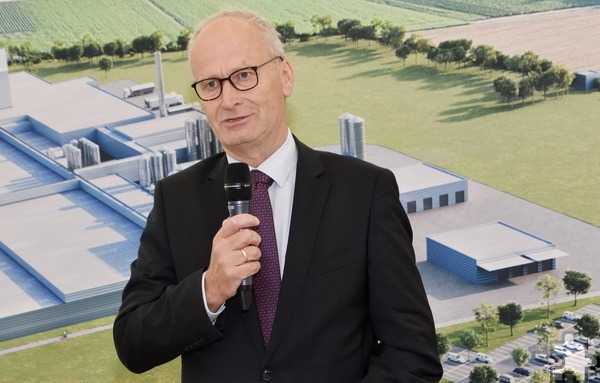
(238, 190)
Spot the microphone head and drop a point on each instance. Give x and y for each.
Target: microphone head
(238, 186)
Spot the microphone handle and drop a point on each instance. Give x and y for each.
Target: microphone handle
(245, 293)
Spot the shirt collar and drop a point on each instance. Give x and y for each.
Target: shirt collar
(281, 163)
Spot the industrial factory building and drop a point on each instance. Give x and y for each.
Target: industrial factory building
(491, 252)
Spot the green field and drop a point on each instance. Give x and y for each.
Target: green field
(491, 8)
(92, 358)
(45, 21)
(107, 20)
(545, 152)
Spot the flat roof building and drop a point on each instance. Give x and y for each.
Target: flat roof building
(491, 252)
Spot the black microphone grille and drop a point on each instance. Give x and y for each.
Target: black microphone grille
(237, 182)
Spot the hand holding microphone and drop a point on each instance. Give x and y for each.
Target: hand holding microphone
(238, 190)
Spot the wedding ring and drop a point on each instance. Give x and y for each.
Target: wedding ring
(245, 256)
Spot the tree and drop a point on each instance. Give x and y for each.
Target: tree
(287, 31)
(109, 48)
(549, 287)
(483, 55)
(469, 340)
(369, 33)
(183, 39)
(74, 53)
(526, 88)
(403, 52)
(545, 334)
(443, 344)
(105, 64)
(91, 47)
(321, 23)
(510, 314)
(506, 87)
(562, 78)
(156, 42)
(60, 51)
(122, 48)
(588, 326)
(520, 355)
(392, 35)
(542, 376)
(487, 316)
(595, 362)
(572, 376)
(576, 283)
(530, 62)
(345, 25)
(483, 374)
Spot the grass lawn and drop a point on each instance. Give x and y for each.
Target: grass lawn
(545, 151)
(91, 358)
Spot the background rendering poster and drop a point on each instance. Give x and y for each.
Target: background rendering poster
(504, 183)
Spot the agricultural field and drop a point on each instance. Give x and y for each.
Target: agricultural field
(493, 8)
(568, 37)
(13, 19)
(107, 20)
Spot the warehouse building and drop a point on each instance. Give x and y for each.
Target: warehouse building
(492, 252)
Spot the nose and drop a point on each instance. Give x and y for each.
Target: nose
(230, 95)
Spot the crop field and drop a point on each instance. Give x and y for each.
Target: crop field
(13, 19)
(106, 19)
(568, 37)
(494, 8)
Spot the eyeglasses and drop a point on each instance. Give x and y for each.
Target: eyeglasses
(244, 79)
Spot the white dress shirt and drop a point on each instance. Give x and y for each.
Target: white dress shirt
(281, 167)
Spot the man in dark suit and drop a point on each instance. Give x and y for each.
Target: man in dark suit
(351, 306)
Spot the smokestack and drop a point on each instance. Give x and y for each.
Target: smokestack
(160, 82)
(5, 100)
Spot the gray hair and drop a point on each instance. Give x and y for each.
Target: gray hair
(272, 37)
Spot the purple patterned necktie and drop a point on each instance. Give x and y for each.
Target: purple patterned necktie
(268, 280)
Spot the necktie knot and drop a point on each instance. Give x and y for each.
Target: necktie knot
(257, 177)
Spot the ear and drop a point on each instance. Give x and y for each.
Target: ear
(287, 77)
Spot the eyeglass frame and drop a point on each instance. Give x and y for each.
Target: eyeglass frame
(228, 78)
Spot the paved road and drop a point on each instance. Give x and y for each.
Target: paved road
(55, 339)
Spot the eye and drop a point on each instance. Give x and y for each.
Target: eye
(210, 84)
(243, 76)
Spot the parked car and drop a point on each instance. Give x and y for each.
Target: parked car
(573, 346)
(559, 350)
(543, 358)
(522, 371)
(484, 358)
(505, 378)
(557, 357)
(558, 324)
(456, 358)
(570, 315)
(594, 379)
(583, 340)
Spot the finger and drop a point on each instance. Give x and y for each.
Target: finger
(249, 254)
(234, 224)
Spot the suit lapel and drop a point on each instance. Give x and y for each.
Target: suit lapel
(309, 199)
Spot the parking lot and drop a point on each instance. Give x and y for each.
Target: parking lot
(503, 361)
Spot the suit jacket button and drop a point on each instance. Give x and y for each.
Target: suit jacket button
(266, 375)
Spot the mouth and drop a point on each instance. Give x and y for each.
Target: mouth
(234, 120)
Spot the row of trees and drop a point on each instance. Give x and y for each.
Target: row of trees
(537, 74)
(511, 314)
(88, 47)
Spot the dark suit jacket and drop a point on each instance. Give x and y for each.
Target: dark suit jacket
(352, 307)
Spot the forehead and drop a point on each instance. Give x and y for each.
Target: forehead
(227, 44)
